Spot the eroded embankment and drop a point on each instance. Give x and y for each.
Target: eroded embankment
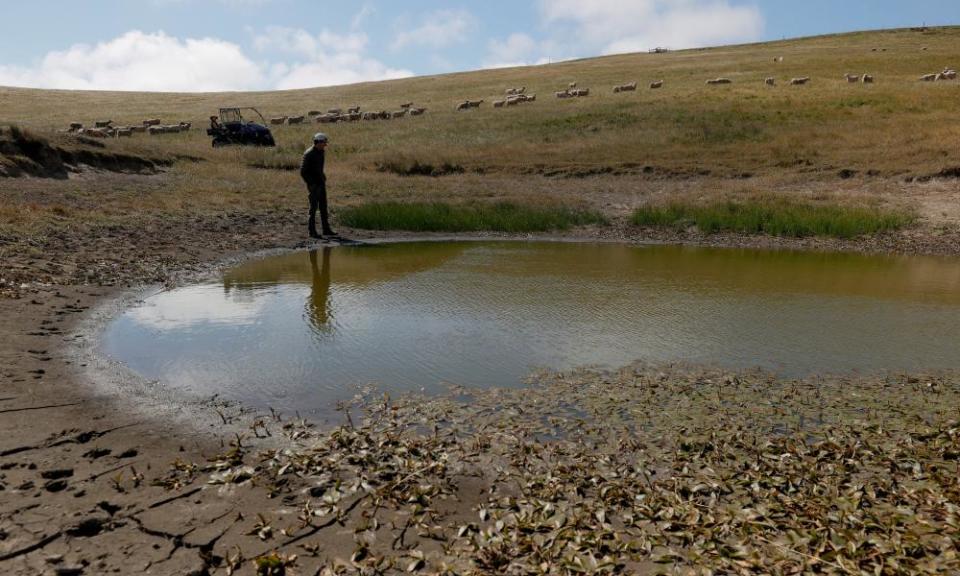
(23, 153)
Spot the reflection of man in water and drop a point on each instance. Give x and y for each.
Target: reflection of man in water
(318, 306)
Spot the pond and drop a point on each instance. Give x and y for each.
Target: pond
(299, 332)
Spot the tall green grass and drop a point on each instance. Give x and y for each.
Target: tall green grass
(777, 217)
(474, 217)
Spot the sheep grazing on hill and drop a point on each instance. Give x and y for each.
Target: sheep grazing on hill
(867, 79)
(138, 129)
(778, 59)
(499, 103)
(327, 118)
(103, 123)
(417, 111)
(400, 113)
(355, 110)
(770, 81)
(799, 81)
(75, 127)
(580, 92)
(156, 129)
(171, 129)
(295, 120)
(947, 74)
(124, 132)
(631, 87)
(152, 122)
(563, 94)
(928, 78)
(335, 111)
(278, 121)
(852, 78)
(95, 132)
(313, 113)
(370, 116)
(656, 85)
(718, 81)
(515, 91)
(571, 85)
(185, 126)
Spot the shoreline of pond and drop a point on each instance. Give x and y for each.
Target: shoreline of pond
(55, 421)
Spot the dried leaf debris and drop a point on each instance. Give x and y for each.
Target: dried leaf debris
(649, 469)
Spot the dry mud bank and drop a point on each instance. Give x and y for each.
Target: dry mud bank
(643, 470)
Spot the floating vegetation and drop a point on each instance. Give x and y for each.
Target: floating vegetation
(645, 469)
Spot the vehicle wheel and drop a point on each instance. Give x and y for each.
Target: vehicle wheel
(219, 142)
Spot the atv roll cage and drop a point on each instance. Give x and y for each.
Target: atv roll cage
(234, 129)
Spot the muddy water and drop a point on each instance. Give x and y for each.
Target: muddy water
(299, 331)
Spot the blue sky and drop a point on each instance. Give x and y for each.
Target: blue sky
(201, 45)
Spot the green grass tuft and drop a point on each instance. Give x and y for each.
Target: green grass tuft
(777, 217)
(474, 217)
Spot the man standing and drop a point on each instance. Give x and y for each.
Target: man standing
(311, 170)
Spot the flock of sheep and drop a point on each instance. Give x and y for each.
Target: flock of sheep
(352, 114)
(513, 97)
(106, 129)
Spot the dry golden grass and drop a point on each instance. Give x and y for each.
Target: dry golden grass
(610, 151)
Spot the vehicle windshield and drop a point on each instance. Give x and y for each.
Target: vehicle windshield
(230, 115)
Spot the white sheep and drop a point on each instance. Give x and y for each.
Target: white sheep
(867, 79)
(278, 121)
(417, 111)
(656, 85)
(499, 103)
(75, 126)
(295, 120)
(771, 81)
(152, 122)
(928, 78)
(103, 123)
(852, 78)
(717, 81)
(799, 81)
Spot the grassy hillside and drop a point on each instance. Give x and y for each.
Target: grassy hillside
(898, 124)
(830, 141)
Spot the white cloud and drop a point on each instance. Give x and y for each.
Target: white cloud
(141, 61)
(158, 62)
(365, 12)
(613, 26)
(438, 29)
(328, 59)
(515, 50)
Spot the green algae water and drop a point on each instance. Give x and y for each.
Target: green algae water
(302, 331)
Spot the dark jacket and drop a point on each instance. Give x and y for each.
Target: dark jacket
(311, 167)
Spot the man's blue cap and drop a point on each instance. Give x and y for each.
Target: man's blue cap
(320, 137)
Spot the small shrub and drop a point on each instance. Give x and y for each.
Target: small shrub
(476, 217)
(413, 167)
(776, 217)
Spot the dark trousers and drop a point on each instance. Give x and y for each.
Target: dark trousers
(318, 199)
